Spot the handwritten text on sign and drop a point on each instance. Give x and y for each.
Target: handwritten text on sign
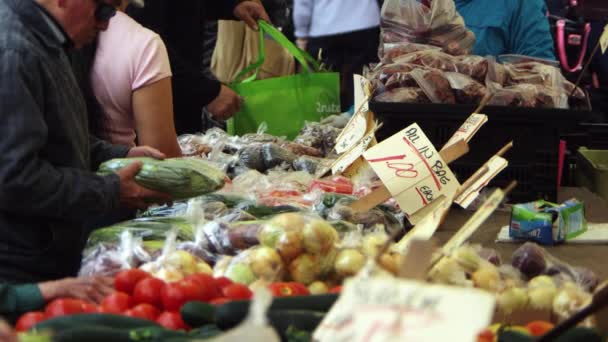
(411, 169)
(468, 129)
(386, 309)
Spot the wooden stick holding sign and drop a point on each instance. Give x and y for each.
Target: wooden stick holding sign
(482, 171)
(475, 222)
(382, 194)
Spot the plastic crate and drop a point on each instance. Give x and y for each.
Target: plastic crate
(533, 161)
(592, 170)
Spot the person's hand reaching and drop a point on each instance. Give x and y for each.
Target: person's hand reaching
(225, 105)
(250, 12)
(135, 196)
(92, 289)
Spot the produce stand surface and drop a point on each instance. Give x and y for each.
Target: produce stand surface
(591, 256)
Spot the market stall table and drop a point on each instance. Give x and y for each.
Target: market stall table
(591, 256)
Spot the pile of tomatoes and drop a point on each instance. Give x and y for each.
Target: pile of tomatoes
(140, 295)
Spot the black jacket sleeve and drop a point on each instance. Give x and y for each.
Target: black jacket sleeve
(102, 151)
(29, 183)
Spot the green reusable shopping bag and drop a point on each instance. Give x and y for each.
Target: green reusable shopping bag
(284, 103)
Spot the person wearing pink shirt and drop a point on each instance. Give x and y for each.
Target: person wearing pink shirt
(129, 79)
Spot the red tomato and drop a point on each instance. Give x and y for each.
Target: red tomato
(175, 295)
(125, 281)
(299, 288)
(28, 320)
(219, 301)
(237, 292)
(336, 289)
(143, 311)
(207, 284)
(172, 320)
(282, 290)
(222, 282)
(63, 306)
(116, 303)
(149, 291)
(89, 307)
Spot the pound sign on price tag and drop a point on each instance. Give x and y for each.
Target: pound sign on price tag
(411, 169)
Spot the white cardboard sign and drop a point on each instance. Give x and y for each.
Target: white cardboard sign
(411, 169)
(390, 309)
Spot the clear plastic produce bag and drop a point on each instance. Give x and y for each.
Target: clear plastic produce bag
(432, 22)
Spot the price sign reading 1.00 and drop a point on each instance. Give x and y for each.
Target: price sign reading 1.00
(411, 169)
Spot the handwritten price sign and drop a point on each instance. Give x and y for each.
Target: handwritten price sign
(387, 309)
(468, 128)
(411, 169)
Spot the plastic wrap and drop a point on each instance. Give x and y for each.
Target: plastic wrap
(221, 238)
(435, 85)
(308, 164)
(335, 207)
(433, 22)
(302, 150)
(174, 264)
(401, 80)
(473, 66)
(466, 90)
(322, 137)
(521, 95)
(497, 75)
(109, 259)
(431, 59)
(394, 50)
(406, 95)
(533, 260)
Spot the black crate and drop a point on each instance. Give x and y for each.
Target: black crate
(533, 161)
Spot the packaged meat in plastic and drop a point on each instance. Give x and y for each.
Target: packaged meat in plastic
(473, 66)
(547, 97)
(394, 50)
(497, 75)
(108, 259)
(433, 22)
(521, 95)
(435, 85)
(466, 89)
(386, 72)
(338, 184)
(401, 80)
(403, 95)
(174, 264)
(523, 69)
(429, 58)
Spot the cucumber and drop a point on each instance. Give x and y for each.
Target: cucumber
(93, 320)
(230, 314)
(198, 314)
(91, 334)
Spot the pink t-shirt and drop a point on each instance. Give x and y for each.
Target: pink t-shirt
(128, 57)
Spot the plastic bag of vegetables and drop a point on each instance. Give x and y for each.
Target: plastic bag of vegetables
(109, 259)
(179, 177)
(174, 264)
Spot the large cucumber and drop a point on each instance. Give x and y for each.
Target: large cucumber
(233, 313)
(93, 320)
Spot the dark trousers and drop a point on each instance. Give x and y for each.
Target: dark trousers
(347, 53)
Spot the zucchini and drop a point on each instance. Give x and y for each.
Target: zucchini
(197, 314)
(262, 211)
(93, 320)
(91, 334)
(181, 178)
(231, 314)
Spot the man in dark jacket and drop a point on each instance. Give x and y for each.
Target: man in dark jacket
(47, 189)
(181, 24)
